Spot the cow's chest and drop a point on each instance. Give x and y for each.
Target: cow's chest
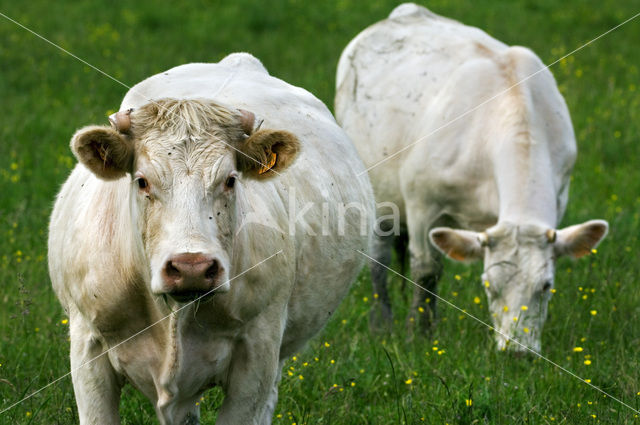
(176, 362)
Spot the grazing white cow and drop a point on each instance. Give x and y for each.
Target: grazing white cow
(186, 196)
(415, 92)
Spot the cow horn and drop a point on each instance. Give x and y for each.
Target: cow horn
(551, 235)
(121, 121)
(248, 122)
(483, 238)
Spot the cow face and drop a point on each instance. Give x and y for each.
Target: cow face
(518, 273)
(185, 161)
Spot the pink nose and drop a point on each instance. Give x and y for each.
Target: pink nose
(190, 275)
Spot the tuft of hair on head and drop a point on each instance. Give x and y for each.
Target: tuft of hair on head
(185, 118)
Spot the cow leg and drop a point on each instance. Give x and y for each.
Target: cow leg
(425, 271)
(425, 268)
(252, 374)
(267, 414)
(380, 317)
(96, 384)
(179, 413)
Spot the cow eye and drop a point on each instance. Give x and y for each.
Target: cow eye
(546, 286)
(230, 182)
(142, 183)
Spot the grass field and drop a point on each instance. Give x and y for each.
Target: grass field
(346, 376)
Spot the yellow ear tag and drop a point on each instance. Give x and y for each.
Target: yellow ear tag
(272, 161)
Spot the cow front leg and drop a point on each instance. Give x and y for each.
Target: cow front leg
(272, 401)
(425, 271)
(380, 317)
(252, 376)
(96, 384)
(423, 315)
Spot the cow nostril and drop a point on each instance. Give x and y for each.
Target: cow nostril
(212, 271)
(172, 271)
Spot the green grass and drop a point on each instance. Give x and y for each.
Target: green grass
(45, 95)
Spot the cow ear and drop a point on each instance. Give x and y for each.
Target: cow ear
(578, 240)
(459, 245)
(104, 151)
(266, 153)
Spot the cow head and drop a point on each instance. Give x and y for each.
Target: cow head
(519, 265)
(185, 160)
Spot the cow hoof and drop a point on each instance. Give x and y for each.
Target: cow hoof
(420, 326)
(380, 319)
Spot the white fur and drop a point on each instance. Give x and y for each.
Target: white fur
(406, 84)
(106, 277)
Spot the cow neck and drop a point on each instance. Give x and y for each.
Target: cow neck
(525, 181)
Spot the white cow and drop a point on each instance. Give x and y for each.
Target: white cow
(415, 93)
(187, 196)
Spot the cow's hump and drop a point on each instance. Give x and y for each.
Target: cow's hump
(407, 9)
(244, 60)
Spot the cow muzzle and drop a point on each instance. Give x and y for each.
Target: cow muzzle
(528, 343)
(189, 276)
